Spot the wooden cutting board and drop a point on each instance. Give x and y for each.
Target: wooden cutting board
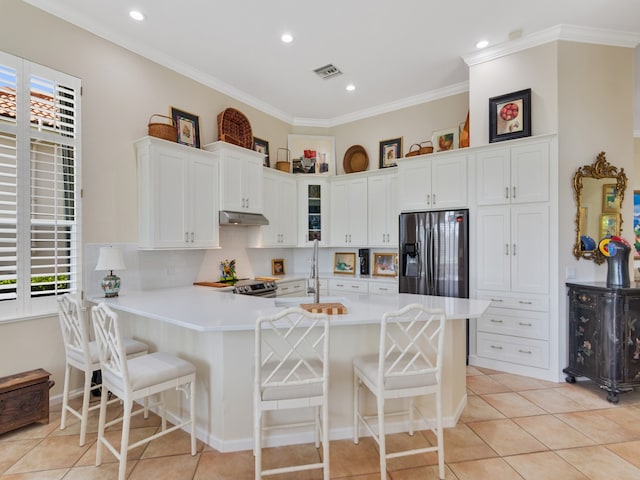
(267, 279)
(213, 284)
(328, 308)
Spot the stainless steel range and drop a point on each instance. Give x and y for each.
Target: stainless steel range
(257, 288)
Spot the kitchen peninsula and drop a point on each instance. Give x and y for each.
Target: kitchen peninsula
(214, 330)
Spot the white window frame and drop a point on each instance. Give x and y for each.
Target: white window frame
(27, 305)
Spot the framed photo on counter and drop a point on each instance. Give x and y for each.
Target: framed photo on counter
(277, 266)
(344, 263)
(384, 264)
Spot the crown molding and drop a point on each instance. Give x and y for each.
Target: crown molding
(571, 33)
(426, 97)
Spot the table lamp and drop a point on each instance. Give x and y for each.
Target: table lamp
(110, 259)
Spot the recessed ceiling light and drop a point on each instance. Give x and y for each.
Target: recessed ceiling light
(482, 44)
(136, 15)
(351, 87)
(287, 38)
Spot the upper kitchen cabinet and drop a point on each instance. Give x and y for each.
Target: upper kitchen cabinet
(513, 174)
(241, 177)
(313, 210)
(348, 211)
(382, 209)
(433, 182)
(177, 196)
(280, 208)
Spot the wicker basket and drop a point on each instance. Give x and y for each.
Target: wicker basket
(283, 166)
(234, 127)
(421, 148)
(163, 130)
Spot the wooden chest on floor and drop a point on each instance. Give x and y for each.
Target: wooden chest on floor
(24, 399)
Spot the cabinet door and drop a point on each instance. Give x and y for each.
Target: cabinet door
(339, 213)
(313, 212)
(288, 211)
(169, 182)
(252, 185)
(231, 188)
(530, 173)
(494, 249)
(415, 185)
(358, 212)
(493, 179)
(530, 249)
(382, 211)
(449, 182)
(203, 203)
(271, 195)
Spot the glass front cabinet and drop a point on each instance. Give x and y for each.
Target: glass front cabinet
(314, 214)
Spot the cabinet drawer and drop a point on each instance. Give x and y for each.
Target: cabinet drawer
(348, 286)
(519, 323)
(383, 288)
(584, 298)
(539, 303)
(534, 353)
(293, 289)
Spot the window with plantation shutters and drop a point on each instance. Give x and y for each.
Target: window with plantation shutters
(39, 187)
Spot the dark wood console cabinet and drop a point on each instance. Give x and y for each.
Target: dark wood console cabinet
(604, 336)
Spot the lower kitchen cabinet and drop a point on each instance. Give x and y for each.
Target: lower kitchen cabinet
(339, 287)
(292, 288)
(604, 336)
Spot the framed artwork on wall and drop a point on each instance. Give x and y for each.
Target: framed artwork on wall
(444, 140)
(390, 151)
(262, 146)
(510, 116)
(188, 126)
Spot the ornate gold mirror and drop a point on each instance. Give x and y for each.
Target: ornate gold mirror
(599, 191)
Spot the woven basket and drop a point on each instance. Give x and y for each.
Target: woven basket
(283, 166)
(163, 130)
(421, 148)
(234, 127)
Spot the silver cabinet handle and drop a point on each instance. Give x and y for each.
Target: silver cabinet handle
(514, 192)
(493, 320)
(522, 324)
(192, 237)
(514, 249)
(528, 352)
(349, 238)
(186, 237)
(524, 302)
(496, 299)
(506, 249)
(506, 192)
(433, 202)
(496, 347)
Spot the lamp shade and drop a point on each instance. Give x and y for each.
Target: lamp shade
(110, 258)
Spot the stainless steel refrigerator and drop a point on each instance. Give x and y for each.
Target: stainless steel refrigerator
(434, 253)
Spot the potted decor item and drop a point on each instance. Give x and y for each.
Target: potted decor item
(228, 268)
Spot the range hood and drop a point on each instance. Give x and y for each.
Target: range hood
(242, 218)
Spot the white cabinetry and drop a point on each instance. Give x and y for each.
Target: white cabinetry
(241, 174)
(512, 245)
(339, 287)
(383, 288)
(382, 210)
(515, 174)
(433, 182)
(313, 211)
(177, 196)
(292, 288)
(514, 257)
(348, 212)
(280, 208)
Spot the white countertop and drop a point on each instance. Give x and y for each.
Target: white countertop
(207, 310)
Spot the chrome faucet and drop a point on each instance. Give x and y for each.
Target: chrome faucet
(315, 277)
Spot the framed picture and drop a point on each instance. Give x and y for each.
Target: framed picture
(384, 264)
(390, 151)
(510, 116)
(344, 263)
(609, 224)
(262, 146)
(277, 266)
(610, 198)
(636, 223)
(188, 126)
(444, 140)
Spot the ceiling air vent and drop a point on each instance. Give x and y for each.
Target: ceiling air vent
(327, 71)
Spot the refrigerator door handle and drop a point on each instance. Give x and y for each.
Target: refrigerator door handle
(429, 260)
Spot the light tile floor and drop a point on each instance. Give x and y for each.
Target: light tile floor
(512, 428)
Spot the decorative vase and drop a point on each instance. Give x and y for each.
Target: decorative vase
(464, 134)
